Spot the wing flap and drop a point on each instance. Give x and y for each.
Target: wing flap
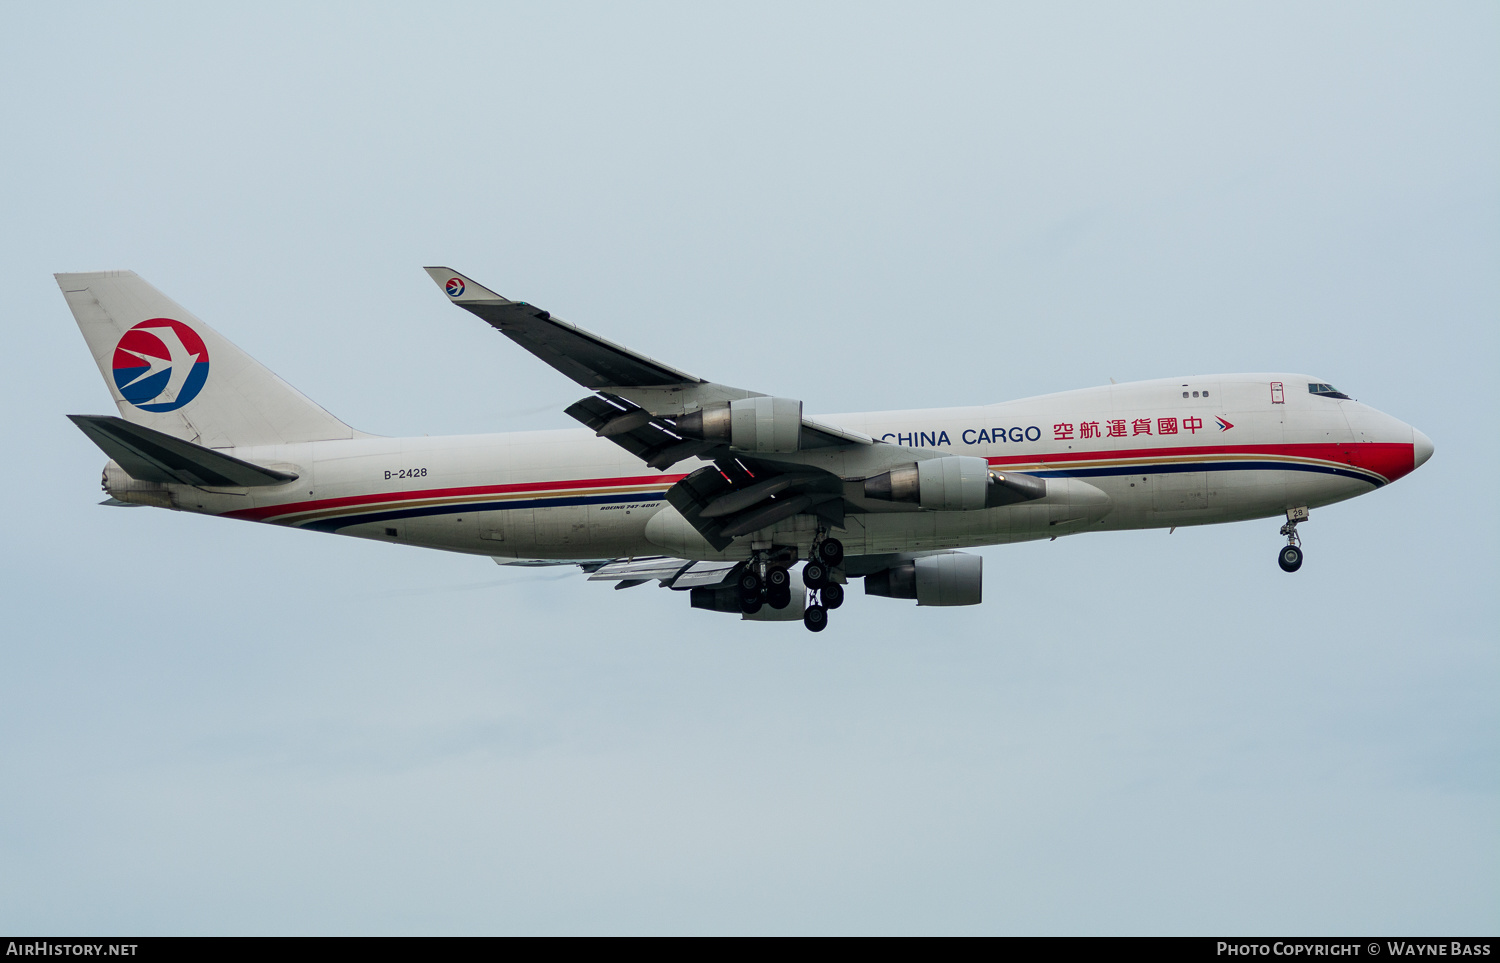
(675, 573)
(705, 575)
(633, 428)
(630, 569)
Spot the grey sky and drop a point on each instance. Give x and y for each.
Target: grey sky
(217, 728)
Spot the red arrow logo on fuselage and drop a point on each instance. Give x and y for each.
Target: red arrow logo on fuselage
(1223, 425)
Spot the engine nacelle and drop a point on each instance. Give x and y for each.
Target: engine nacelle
(953, 483)
(952, 578)
(748, 424)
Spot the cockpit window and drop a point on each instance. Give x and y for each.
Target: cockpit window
(1327, 391)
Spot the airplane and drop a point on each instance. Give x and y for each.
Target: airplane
(740, 500)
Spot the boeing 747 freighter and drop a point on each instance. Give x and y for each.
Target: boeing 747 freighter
(742, 501)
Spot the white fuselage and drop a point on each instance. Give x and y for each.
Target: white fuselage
(1188, 451)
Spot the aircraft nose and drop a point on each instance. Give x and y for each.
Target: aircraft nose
(1421, 448)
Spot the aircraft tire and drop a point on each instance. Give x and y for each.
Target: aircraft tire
(777, 576)
(832, 551)
(749, 585)
(815, 574)
(832, 595)
(815, 618)
(750, 606)
(1290, 558)
(778, 596)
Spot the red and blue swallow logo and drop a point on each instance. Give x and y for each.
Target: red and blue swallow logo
(160, 365)
(455, 287)
(1223, 425)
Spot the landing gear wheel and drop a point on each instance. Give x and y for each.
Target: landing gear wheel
(832, 595)
(778, 596)
(815, 618)
(831, 551)
(777, 576)
(749, 585)
(1290, 558)
(815, 574)
(750, 606)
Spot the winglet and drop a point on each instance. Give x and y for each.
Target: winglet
(461, 289)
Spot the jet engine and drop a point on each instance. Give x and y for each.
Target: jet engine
(954, 483)
(952, 578)
(758, 424)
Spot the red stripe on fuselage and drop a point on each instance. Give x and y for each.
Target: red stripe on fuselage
(1387, 459)
(268, 511)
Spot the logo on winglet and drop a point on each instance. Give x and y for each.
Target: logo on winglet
(455, 287)
(160, 365)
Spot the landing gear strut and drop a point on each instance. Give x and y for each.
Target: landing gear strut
(1290, 557)
(764, 581)
(827, 552)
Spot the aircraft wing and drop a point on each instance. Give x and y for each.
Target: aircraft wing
(583, 356)
(769, 461)
(619, 374)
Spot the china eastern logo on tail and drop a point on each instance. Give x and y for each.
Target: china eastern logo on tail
(455, 287)
(160, 365)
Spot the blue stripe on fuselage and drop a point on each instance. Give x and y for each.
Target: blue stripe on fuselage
(459, 508)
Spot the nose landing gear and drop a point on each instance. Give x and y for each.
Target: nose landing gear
(1290, 557)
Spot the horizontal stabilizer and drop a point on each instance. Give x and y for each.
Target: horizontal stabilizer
(152, 456)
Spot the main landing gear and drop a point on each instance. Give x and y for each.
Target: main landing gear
(826, 554)
(1290, 557)
(766, 580)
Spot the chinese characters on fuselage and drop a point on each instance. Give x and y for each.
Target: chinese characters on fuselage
(1115, 428)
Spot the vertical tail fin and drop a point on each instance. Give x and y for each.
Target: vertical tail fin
(169, 371)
